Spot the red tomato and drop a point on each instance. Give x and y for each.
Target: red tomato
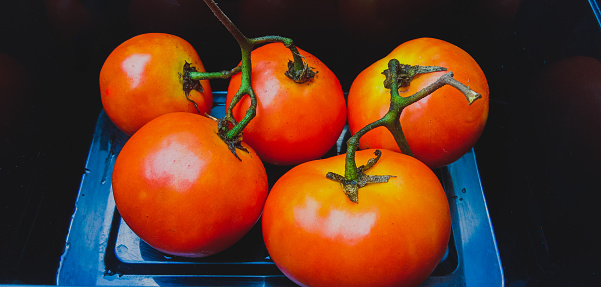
(294, 122)
(395, 235)
(439, 128)
(140, 80)
(182, 191)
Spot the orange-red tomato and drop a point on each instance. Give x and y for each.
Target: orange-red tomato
(439, 128)
(182, 191)
(141, 80)
(294, 122)
(394, 236)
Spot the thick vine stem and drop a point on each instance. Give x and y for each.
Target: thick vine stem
(230, 131)
(397, 75)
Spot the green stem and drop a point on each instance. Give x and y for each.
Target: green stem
(197, 76)
(288, 43)
(245, 89)
(397, 104)
(246, 46)
(391, 120)
(354, 177)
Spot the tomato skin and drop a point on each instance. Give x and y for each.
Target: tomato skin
(395, 235)
(439, 128)
(173, 186)
(294, 122)
(140, 80)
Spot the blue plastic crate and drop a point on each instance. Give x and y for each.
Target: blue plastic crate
(101, 249)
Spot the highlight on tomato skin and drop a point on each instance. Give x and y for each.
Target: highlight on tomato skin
(141, 80)
(181, 190)
(439, 128)
(294, 122)
(395, 235)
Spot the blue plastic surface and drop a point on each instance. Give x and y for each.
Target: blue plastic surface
(101, 250)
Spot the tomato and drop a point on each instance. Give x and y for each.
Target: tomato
(140, 80)
(182, 191)
(439, 128)
(395, 235)
(294, 122)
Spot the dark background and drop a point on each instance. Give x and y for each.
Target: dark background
(537, 157)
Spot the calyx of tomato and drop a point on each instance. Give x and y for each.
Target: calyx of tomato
(351, 186)
(397, 75)
(189, 84)
(298, 70)
(406, 73)
(229, 129)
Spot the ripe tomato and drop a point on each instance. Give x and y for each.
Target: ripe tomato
(140, 80)
(395, 235)
(439, 128)
(182, 191)
(294, 122)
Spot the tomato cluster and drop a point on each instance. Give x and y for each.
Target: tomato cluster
(187, 186)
